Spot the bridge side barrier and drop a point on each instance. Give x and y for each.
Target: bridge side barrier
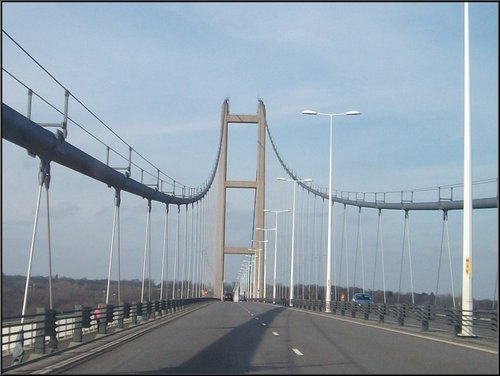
(366, 309)
(454, 318)
(485, 321)
(353, 307)
(400, 312)
(424, 315)
(41, 333)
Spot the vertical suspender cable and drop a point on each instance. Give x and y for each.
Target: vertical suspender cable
(146, 242)
(110, 263)
(183, 264)
(449, 260)
(187, 251)
(379, 236)
(332, 248)
(302, 246)
(176, 254)
(199, 208)
(494, 293)
(310, 249)
(47, 183)
(362, 251)
(382, 249)
(322, 240)
(407, 232)
(200, 247)
(149, 252)
(204, 277)
(191, 256)
(402, 256)
(410, 262)
(41, 178)
(440, 256)
(344, 250)
(376, 252)
(496, 282)
(359, 245)
(31, 252)
(356, 253)
(119, 249)
(445, 232)
(341, 256)
(194, 237)
(164, 256)
(314, 260)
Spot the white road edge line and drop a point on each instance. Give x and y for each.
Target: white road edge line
(472, 347)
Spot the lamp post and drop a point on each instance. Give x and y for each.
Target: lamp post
(330, 219)
(276, 212)
(242, 277)
(265, 255)
(249, 260)
(467, 292)
(295, 181)
(255, 250)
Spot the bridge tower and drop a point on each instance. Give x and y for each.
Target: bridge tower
(258, 185)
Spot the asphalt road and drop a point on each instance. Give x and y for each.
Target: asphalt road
(244, 337)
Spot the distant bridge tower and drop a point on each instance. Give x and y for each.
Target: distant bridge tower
(258, 185)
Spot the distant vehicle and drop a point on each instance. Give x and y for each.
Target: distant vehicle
(243, 298)
(362, 298)
(228, 296)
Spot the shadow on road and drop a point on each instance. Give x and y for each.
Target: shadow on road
(232, 353)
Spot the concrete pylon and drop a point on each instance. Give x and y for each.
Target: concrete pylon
(257, 184)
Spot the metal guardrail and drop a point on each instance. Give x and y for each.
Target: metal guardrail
(41, 332)
(427, 317)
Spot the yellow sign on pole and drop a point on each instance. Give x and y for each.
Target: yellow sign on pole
(467, 266)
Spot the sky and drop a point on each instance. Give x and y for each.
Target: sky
(158, 73)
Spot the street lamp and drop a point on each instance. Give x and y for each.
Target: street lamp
(295, 181)
(276, 212)
(329, 247)
(245, 268)
(265, 255)
(255, 250)
(250, 269)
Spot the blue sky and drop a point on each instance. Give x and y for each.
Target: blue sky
(157, 74)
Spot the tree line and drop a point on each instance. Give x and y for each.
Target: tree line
(66, 292)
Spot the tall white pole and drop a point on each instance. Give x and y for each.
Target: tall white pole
(329, 246)
(265, 270)
(330, 204)
(293, 245)
(275, 253)
(467, 303)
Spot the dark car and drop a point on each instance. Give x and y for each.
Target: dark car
(362, 298)
(228, 296)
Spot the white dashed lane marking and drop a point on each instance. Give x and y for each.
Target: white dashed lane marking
(296, 351)
(276, 334)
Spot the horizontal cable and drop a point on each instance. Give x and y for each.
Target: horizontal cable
(88, 110)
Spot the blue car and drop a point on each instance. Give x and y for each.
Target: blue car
(362, 298)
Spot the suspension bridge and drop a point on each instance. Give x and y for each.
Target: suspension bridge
(299, 270)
